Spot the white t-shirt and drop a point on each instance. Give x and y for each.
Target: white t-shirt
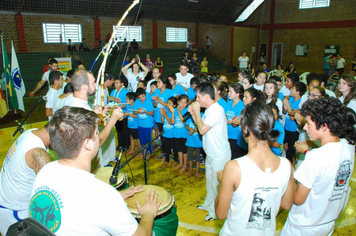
(215, 141)
(303, 99)
(16, 178)
(134, 79)
(259, 87)
(148, 87)
(340, 63)
(285, 91)
(184, 80)
(330, 93)
(326, 171)
(351, 104)
(255, 204)
(243, 62)
(72, 101)
(74, 202)
(45, 77)
(51, 96)
(279, 104)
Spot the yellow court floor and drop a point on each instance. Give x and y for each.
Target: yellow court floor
(189, 191)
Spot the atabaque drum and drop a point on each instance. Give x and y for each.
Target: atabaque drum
(166, 221)
(105, 173)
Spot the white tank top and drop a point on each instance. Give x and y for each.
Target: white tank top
(16, 178)
(255, 203)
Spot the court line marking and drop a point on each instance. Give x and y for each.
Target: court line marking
(199, 228)
(341, 224)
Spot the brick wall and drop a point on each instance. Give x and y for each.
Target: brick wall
(318, 27)
(244, 40)
(220, 36)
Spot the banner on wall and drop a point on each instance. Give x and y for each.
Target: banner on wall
(64, 64)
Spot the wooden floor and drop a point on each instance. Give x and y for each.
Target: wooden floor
(188, 191)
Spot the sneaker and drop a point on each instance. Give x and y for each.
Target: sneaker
(161, 156)
(155, 146)
(208, 217)
(200, 207)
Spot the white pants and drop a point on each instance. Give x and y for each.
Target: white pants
(107, 151)
(212, 166)
(9, 217)
(318, 230)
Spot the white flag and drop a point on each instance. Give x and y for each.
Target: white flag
(17, 78)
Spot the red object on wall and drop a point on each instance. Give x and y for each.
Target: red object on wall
(155, 34)
(21, 33)
(97, 28)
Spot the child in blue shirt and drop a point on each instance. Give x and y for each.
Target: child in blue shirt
(118, 96)
(153, 87)
(233, 111)
(144, 110)
(167, 118)
(180, 132)
(160, 98)
(177, 89)
(290, 106)
(191, 90)
(276, 146)
(194, 144)
(132, 122)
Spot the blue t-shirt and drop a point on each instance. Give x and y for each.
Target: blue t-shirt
(167, 93)
(278, 126)
(191, 93)
(120, 95)
(326, 64)
(222, 103)
(167, 128)
(280, 96)
(179, 128)
(178, 90)
(144, 120)
(132, 122)
(195, 139)
(291, 125)
(240, 139)
(230, 112)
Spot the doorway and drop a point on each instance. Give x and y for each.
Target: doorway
(277, 54)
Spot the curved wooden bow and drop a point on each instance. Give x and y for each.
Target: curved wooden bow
(106, 52)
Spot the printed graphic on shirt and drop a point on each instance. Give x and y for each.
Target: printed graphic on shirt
(343, 175)
(260, 215)
(45, 207)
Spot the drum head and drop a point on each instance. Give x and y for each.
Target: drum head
(164, 195)
(104, 175)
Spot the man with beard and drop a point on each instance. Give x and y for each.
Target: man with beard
(83, 83)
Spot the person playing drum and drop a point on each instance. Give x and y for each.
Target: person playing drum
(69, 200)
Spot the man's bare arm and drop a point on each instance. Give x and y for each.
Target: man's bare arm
(37, 158)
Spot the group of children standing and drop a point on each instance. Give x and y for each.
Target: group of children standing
(162, 107)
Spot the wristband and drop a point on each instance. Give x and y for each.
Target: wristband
(305, 152)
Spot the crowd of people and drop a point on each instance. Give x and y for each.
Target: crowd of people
(257, 136)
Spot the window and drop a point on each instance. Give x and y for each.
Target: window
(52, 32)
(176, 34)
(305, 4)
(249, 10)
(129, 33)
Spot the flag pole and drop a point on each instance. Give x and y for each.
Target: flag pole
(3, 61)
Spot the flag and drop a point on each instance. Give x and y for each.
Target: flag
(9, 83)
(17, 78)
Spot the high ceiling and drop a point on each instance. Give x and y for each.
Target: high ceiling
(198, 11)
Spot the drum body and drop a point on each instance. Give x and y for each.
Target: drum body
(166, 221)
(105, 173)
